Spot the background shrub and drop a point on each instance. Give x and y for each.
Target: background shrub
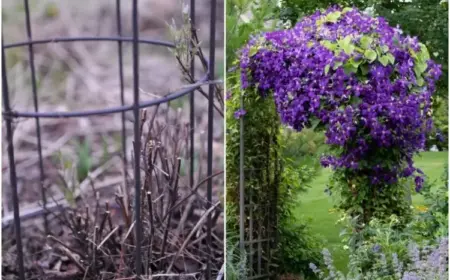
(378, 247)
(304, 148)
(427, 262)
(433, 222)
(236, 262)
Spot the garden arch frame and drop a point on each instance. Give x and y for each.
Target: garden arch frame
(258, 218)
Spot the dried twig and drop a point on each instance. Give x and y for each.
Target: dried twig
(194, 230)
(181, 275)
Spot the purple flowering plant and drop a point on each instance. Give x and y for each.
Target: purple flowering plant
(426, 262)
(365, 83)
(240, 113)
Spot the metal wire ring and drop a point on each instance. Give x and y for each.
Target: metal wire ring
(171, 96)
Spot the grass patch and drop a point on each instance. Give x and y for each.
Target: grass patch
(317, 207)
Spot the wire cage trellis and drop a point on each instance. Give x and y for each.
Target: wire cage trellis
(139, 248)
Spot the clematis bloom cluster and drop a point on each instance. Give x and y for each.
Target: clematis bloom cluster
(365, 82)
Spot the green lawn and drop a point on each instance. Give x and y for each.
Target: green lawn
(315, 205)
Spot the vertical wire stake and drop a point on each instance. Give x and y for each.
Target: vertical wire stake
(241, 180)
(191, 98)
(137, 141)
(212, 47)
(12, 168)
(122, 98)
(36, 109)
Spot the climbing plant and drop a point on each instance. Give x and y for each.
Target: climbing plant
(426, 19)
(269, 177)
(264, 146)
(260, 141)
(366, 85)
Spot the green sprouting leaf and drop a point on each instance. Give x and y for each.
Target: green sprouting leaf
(329, 45)
(349, 68)
(417, 72)
(385, 48)
(379, 51)
(345, 10)
(346, 45)
(384, 60)
(327, 68)
(371, 55)
(359, 49)
(337, 64)
(51, 10)
(342, 42)
(366, 41)
(333, 17)
(424, 52)
(84, 161)
(67, 164)
(348, 49)
(412, 53)
(391, 58)
(420, 67)
(420, 81)
(320, 21)
(253, 50)
(355, 63)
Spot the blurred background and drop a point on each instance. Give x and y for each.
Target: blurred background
(78, 76)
